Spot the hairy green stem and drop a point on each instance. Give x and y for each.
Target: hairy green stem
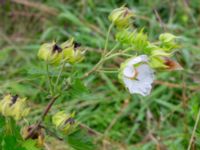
(116, 54)
(93, 69)
(102, 60)
(112, 50)
(108, 71)
(107, 37)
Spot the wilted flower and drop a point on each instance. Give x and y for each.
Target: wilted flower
(168, 41)
(14, 106)
(161, 60)
(137, 76)
(37, 134)
(121, 17)
(64, 122)
(72, 51)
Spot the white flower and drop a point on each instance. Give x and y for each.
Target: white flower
(137, 76)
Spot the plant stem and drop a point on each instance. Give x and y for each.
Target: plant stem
(93, 69)
(48, 107)
(49, 79)
(116, 54)
(59, 75)
(194, 129)
(51, 102)
(104, 55)
(113, 49)
(108, 71)
(102, 60)
(45, 112)
(107, 37)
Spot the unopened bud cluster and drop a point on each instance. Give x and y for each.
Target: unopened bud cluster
(55, 54)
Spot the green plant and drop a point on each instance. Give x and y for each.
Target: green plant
(159, 57)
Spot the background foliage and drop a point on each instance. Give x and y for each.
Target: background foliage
(164, 120)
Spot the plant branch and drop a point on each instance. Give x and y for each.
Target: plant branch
(93, 69)
(45, 112)
(102, 60)
(48, 107)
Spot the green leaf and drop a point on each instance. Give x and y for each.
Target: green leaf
(10, 137)
(79, 140)
(11, 142)
(78, 88)
(30, 145)
(2, 123)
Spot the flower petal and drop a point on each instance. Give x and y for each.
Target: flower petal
(145, 73)
(138, 87)
(141, 58)
(137, 75)
(129, 71)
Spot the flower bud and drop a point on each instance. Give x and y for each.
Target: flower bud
(136, 39)
(54, 54)
(121, 17)
(161, 60)
(72, 51)
(167, 37)
(51, 53)
(64, 122)
(14, 106)
(157, 63)
(168, 41)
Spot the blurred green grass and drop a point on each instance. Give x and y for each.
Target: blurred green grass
(164, 120)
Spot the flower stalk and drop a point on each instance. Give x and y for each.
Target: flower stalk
(45, 112)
